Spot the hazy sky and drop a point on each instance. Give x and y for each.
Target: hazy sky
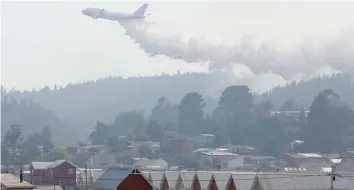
(53, 43)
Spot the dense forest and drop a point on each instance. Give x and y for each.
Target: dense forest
(76, 108)
(238, 119)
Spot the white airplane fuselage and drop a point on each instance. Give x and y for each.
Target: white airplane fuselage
(115, 16)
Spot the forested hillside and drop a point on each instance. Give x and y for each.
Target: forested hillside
(80, 106)
(302, 93)
(31, 115)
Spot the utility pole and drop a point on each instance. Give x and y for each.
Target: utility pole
(85, 176)
(333, 177)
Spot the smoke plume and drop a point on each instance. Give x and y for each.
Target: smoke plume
(305, 60)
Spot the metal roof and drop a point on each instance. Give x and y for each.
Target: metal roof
(187, 178)
(222, 179)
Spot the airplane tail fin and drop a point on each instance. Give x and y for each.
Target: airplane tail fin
(141, 10)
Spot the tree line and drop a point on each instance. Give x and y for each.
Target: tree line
(239, 119)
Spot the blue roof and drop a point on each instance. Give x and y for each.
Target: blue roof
(112, 177)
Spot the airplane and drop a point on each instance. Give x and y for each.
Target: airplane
(96, 13)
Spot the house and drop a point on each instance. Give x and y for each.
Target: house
(60, 172)
(204, 140)
(12, 182)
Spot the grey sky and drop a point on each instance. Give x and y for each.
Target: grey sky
(53, 43)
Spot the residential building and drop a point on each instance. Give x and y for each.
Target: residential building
(12, 182)
(60, 172)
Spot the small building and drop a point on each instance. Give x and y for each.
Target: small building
(12, 182)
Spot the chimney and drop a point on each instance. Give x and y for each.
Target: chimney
(21, 176)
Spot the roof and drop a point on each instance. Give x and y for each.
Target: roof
(12, 181)
(152, 164)
(41, 165)
(45, 165)
(156, 178)
(207, 135)
(204, 178)
(187, 178)
(222, 179)
(243, 180)
(111, 177)
(48, 187)
(301, 181)
(172, 177)
(60, 162)
(218, 153)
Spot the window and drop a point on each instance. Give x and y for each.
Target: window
(70, 171)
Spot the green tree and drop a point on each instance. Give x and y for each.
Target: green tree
(155, 131)
(191, 113)
(329, 122)
(32, 147)
(236, 100)
(46, 139)
(101, 134)
(13, 142)
(289, 105)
